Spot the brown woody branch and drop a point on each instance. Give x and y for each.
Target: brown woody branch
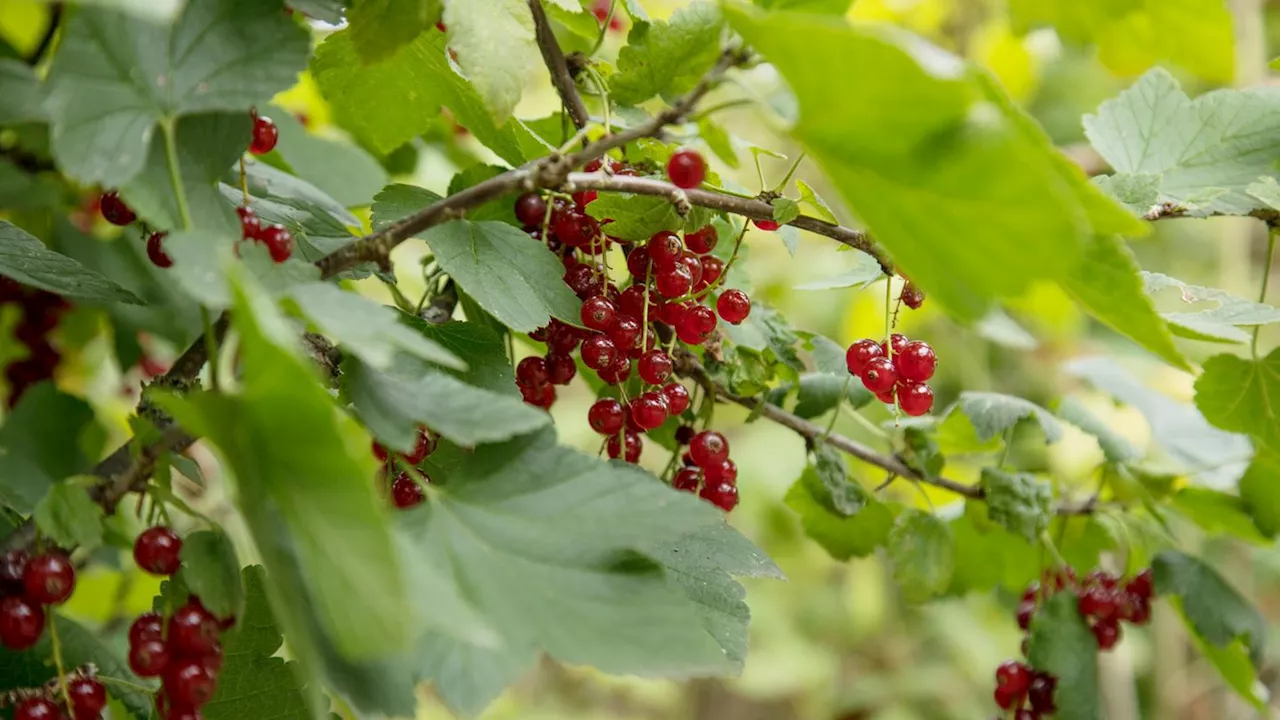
(553, 56)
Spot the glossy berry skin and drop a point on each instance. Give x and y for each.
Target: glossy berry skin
(37, 709)
(879, 375)
(674, 282)
(684, 433)
(532, 371)
(1040, 694)
(626, 332)
(696, 325)
(766, 225)
(147, 626)
(155, 251)
(13, 564)
(860, 353)
(649, 410)
(709, 448)
(633, 447)
(88, 698)
(265, 135)
(1013, 677)
(21, 622)
(114, 210)
(157, 551)
(677, 397)
(916, 361)
(665, 250)
(423, 448)
(576, 229)
(598, 352)
(606, 416)
(49, 579)
(914, 398)
(1099, 602)
(148, 658)
(184, 714)
(686, 169)
(654, 367)
(693, 264)
(723, 495)
(561, 369)
(686, 479)
(639, 262)
(598, 313)
(1107, 633)
(618, 372)
(1141, 585)
(543, 396)
(912, 296)
(733, 306)
(189, 684)
(279, 242)
(898, 340)
(726, 471)
(531, 209)
(1026, 611)
(702, 241)
(250, 223)
(406, 493)
(712, 269)
(192, 631)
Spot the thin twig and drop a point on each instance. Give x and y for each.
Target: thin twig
(553, 56)
(46, 40)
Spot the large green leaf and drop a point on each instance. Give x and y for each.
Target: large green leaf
(635, 217)
(1022, 503)
(1061, 643)
(495, 47)
(211, 571)
(917, 133)
(487, 363)
(69, 517)
(1243, 395)
(27, 260)
(840, 534)
(668, 58)
(22, 92)
(1260, 492)
(1216, 314)
(994, 413)
(923, 554)
(115, 79)
(1216, 512)
(43, 441)
(380, 27)
(1207, 152)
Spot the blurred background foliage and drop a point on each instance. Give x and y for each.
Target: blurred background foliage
(835, 642)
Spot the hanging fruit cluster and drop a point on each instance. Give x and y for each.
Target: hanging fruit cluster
(29, 584)
(895, 371)
(40, 314)
(404, 489)
(85, 698)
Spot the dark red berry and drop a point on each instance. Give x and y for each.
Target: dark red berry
(1025, 714)
(575, 229)
(560, 368)
(583, 280)
(696, 325)
(618, 372)
(1107, 633)
(189, 684)
(723, 495)
(693, 264)
(423, 448)
(686, 479)
(733, 306)
(686, 169)
(625, 332)
(1026, 611)
(606, 416)
(157, 551)
(633, 447)
(1099, 602)
(115, 210)
(674, 282)
(148, 658)
(916, 361)
(1136, 609)
(279, 242)
(654, 367)
(250, 224)
(702, 241)
(598, 313)
(860, 353)
(898, 340)
(1013, 677)
(562, 338)
(888, 397)
(49, 579)
(147, 626)
(677, 397)
(13, 565)
(406, 493)
(582, 199)
(1040, 694)
(914, 398)
(726, 471)
(37, 708)
(649, 410)
(684, 433)
(155, 250)
(532, 371)
(712, 269)
(665, 250)
(213, 660)
(265, 135)
(21, 622)
(543, 396)
(531, 209)
(672, 313)
(639, 262)
(88, 698)
(379, 451)
(1141, 585)
(709, 448)
(599, 352)
(912, 296)
(192, 630)
(879, 375)
(767, 225)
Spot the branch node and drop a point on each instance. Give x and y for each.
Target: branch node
(681, 202)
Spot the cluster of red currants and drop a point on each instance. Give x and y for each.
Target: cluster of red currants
(88, 700)
(1102, 599)
(707, 469)
(41, 313)
(29, 584)
(895, 371)
(405, 490)
(600, 8)
(184, 649)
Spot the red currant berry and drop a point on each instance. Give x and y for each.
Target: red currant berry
(696, 325)
(672, 313)
(693, 264)
(148, 658)
(1099, 602)
(639, 262)
(914, 398)
(189, 684)
(726, 471)
(1141, 585)
(561, 369)
(712, 269)
(677, 397)
(37, 708)
(21, 622)
(1107, 633)
(899, 341)
(192, 630)
(584, 281)
(861, 353)
(406, 493)
(155, 250)
(723, 495)
(633, 446)
(654, 367)
(49, 579)
(115, 210)
(575, 229)
(250, 224)
(531, 209)
(532, 371)
(686, 169)
(1026, 611)
(1040, 694)
(157, 551)
(279, 242)
(879, 375)
(598, 313)
(649, 410)
(702, 241)
(709, 448)
(543, 396)
(13, 565)
(147, 626)
(1013, 677)
(733, 306)
(1136, 609)
(606, 416)
(912, 296)
(599, 352)
(766, 225)
(561, 338)
(618, 372)
(674, 282)
(88, 698)
(425, 445)
(916, 361)
(686, 479)
(684, 433)
(582, 199)
(625, 332)
(665, 250)
(213, 660)
(265, 135)
(1025, 714)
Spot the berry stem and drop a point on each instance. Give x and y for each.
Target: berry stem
(604, 94)
(211, 343)
(844, 392)
(57, 656)
(1053, 549)
(1266, 279)
(132, 687)
(1004, 452)
(604, 29)
(244, 183)
(577, 138)
(739, 102)
(724, 274)
(175, 176)
(790, 173)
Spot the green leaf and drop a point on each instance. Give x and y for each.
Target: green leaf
(27, 260)
(845, 495)
(486, 353)
(501, 208)
(635, 217)
(1136, 191)
(923, 555)
(1217, 314)
(366, 329)
(512, 277)
(1020, 502)
(1114, 446)
(253, 682)
(409, 88)
(67, 516)
(381, 27)
(201, 260)
(335, 527)
(211, 570)
(829, 7)
(1217, 142)
(42, 442)
(765, 329)
(1212, 608)
(1233, 664)
(339, 169)
(841, 535)
(988, 556)
(398, 201)
(819, 393)
(466, 677)
(329, 11)
(864, 272)
(667, 58)
(1106, 282)
(1260, 492)
(785, 210)
(914, 135)
(1216, 513)
(1061, 643)
(22, 93)
(1241, 395)
(107, 96)
(812, 200)
(994, 413)
(495, 46)
(921, 452)
(392, 403)
(718, 139)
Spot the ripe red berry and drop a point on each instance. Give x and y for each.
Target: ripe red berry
(654, 367)
(693, 264)
(147, 626)
(674, 282)
(148, 658)
(88, 698)
(649, 410)
(406, 493)
(250, 224)
(37, 708)
(879, 375)
(598, 352)
(912, 296)
(664, 249)
(684, 433)
(1026, 611)
(914, 398)
(898, 340)
(686, 479)
(1099, 602)
(265, 135)
(916, 361)
(279, 242)
(21, 622)
(1040, 694)
(618, 372)
(584, 281)
(702, 241)
(561, 369)
(157, 551)
(582, 199)
(625, 332)
(606, 416)
(686, 169)
(766, 225)
(13, 564)
(696, 325)
(155, 250)
(726, 471)
(192, 630)
(633, 447)
(709, 448)
(1141, 585)
(1025, 714)
(723, 495)
(1107, 633)
(677, 397)
(532, 371)
(1013, 677)
(531, 209)
(543, 396)
(189, 684)
(598, 313)
(575, 229)
(712, 269)
(861, 353)
(734, 306)
(423, 448)
(49, 579)
(638, 262)
(115, 210)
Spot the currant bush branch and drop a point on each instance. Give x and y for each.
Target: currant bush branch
(553, 56)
